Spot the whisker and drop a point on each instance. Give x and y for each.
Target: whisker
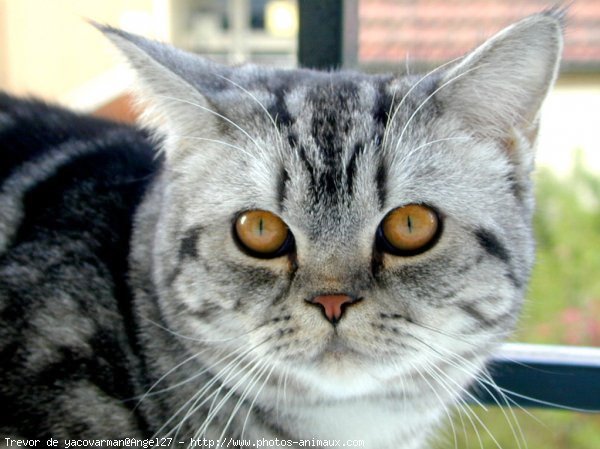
(195, 375)
(203, 341)
(285, 384)
(262, 106)
(508, 420)
(222, 377)
(196, 397)
(442, 404)
(228, 120)
(484, 379)
(221, 142)
(424, 102)
(213, 412)
(505, 399)
(244, 395)
(457, 366)
(460, 337)
(278, 395)
(489, 380)
(465, 408)
(255, 398)
(440, 357)
(413, 150)
(160, 379)
(390, 116)
(240, 401)
(462, 422)
(459, 399)
(406, 95)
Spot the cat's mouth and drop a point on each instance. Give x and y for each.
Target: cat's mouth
(339, 370)
(337, 348)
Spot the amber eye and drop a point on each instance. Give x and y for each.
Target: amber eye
(262, 234)
(409, 230)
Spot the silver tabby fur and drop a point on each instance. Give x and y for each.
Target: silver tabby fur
(230, 346)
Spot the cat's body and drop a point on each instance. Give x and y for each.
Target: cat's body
(184, 329)
(70, 187)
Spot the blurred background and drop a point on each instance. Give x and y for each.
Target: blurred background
(48, 50)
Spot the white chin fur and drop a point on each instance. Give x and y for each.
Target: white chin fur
(339, 377)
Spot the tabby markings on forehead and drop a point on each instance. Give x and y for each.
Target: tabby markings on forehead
(358, 150)
(282, 182)
(381, 183)
(332, 168)
(382, 108)
(332, 118)
(278, 109)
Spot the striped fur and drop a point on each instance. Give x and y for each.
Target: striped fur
(69, 188)
(129, 310)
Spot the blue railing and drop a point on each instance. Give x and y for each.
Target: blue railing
(564, 377)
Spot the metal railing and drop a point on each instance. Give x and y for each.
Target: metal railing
(564, 377)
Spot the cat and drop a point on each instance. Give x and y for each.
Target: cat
(275, 256)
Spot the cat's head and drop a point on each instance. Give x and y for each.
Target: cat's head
(353, 227)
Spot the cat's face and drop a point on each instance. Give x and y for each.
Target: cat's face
(332, 177)
(339, 167)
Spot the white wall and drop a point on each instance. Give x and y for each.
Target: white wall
(49, 50)
(571, 122)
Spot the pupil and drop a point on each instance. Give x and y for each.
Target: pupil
(260, 226)
(409, 224)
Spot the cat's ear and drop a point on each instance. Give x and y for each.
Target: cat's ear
(169, 85)
(501, 85)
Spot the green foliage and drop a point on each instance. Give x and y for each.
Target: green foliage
(530, 429)
(563, 303)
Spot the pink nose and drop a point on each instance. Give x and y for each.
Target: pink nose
(332, 305)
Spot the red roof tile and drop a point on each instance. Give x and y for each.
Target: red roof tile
(432, 31)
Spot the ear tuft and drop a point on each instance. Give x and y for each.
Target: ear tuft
(168, 87)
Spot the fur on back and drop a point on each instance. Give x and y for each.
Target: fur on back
(126, 316)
